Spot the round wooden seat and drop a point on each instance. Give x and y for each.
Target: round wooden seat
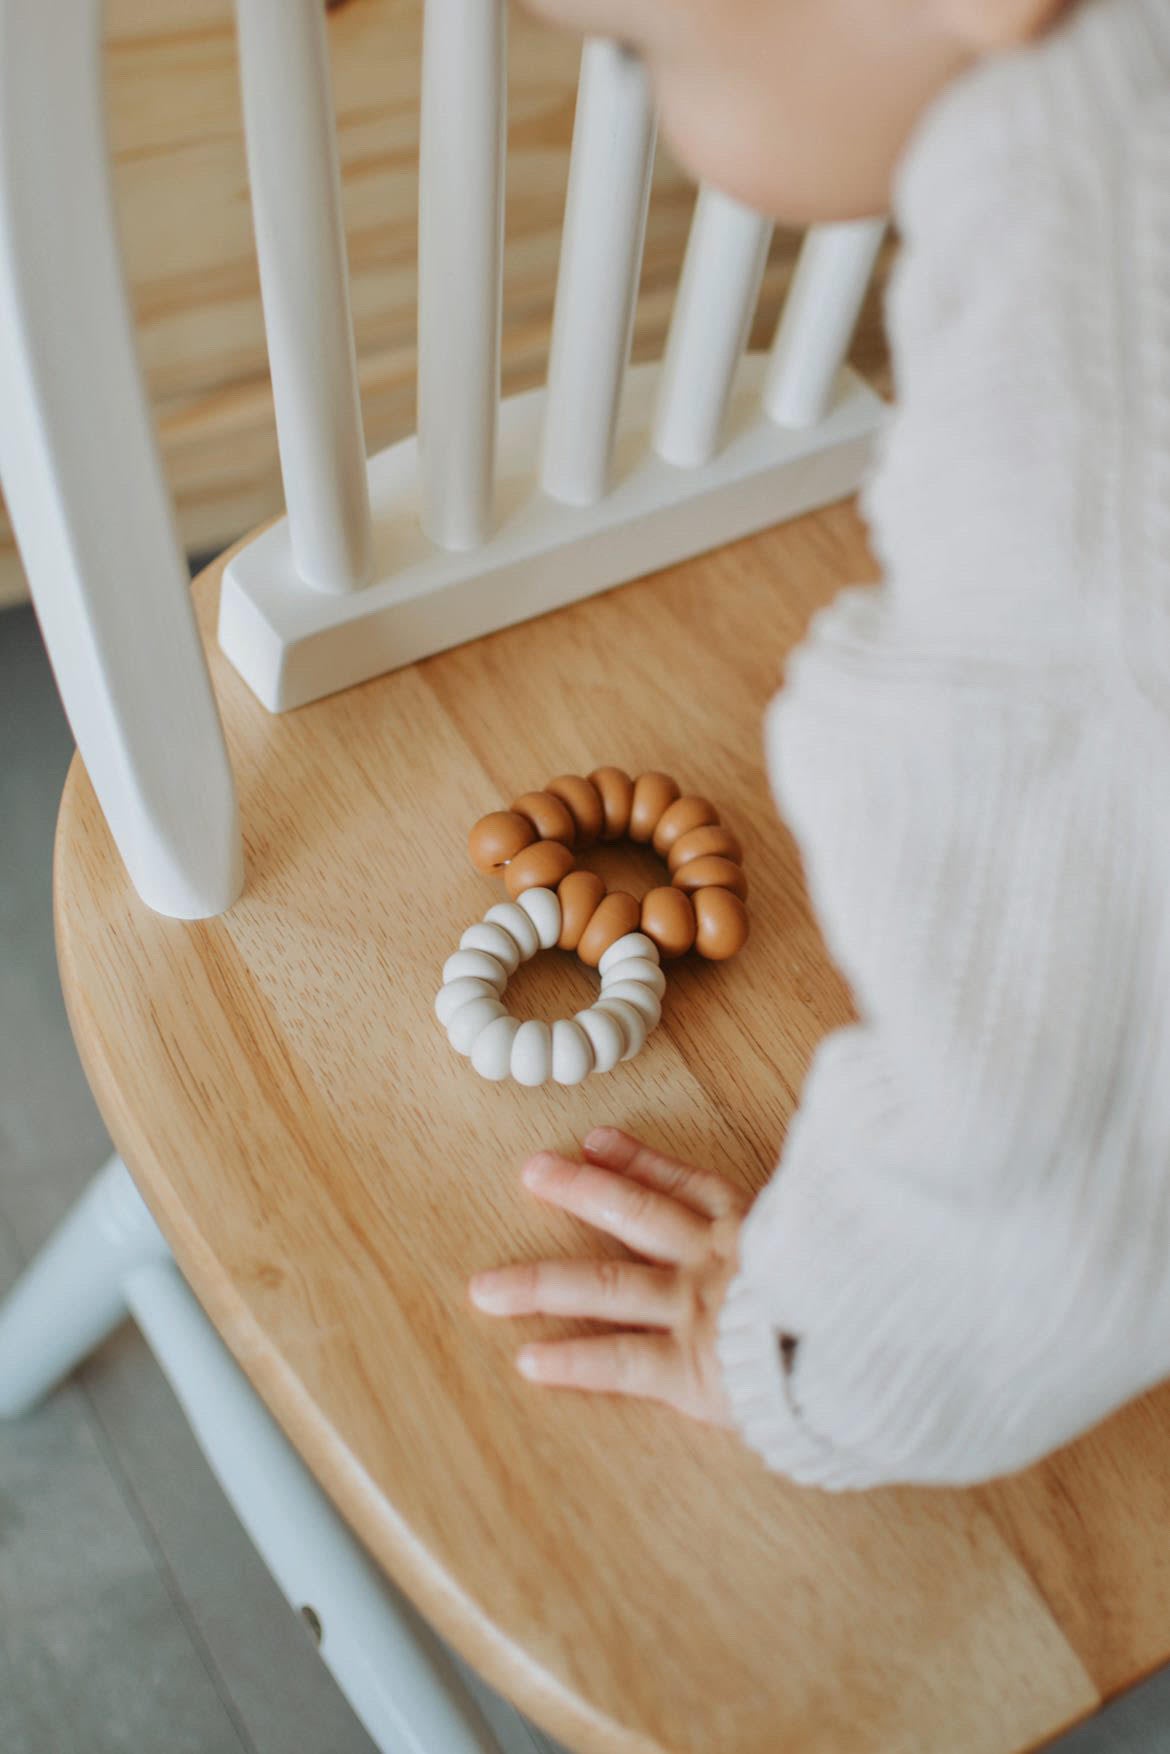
(330, 1174)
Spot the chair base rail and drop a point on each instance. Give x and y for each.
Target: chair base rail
(293, 644)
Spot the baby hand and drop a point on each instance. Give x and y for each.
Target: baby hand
(662, 1308)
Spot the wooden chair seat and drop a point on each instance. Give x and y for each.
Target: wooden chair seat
(329, 1174)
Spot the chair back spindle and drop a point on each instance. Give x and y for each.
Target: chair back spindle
(460, 265)
(600, 265)
(83, 480)
(820, 314)
(726, 253)
(304, 284)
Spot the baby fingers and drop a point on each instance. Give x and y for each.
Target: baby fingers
(650, 1365)
(604, 1291)
(649, 1222)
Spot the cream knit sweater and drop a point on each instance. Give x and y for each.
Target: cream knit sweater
(964, 1258)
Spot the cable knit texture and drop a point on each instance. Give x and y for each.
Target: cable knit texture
(964, 1259)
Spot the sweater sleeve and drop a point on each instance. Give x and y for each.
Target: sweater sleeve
(960, 1262)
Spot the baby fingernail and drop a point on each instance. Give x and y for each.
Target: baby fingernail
(536, 1170)
(528, 1362)
(485, 1290)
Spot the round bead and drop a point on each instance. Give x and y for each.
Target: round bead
(616, 791)
(722, 924)
(712, 873)
(497, 838)
(496, 942)
(669, 919)
(633, 944)
(679, 818)
(572, 1052)
(491, 1053)
(581, 893)
(635, 1028)
(606, 1035)
(540, 866)
(653, 792)
(470, 1021)
(517, 924)
(449, 998)
(642, 998)
(635, 968)
(698, 843)
(544, 910)
(475, 965)
(531, 1061)
(550, 817)
(617, 915)
(584, 805)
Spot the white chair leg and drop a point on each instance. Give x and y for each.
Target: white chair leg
(108, 1259)
(72, 1295)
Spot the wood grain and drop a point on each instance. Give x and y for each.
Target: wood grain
(181, 185)
(329, 1175)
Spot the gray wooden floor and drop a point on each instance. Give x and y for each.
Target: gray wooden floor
(135, 1617)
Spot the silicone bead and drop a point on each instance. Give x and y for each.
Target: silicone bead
(580, 894)
(540, 866)
(491, 1054)
(583, 803)
(531, 1061)
(544, 910)
(616, 791)
(449, 998)
(497, 838)
(517, 924)
(722, 924)
(635, 968)
(617, 915)
(634, 1025)
(572, 1052)
(476, 965)
(712, 873)
(550, 816)
(633, 944)
(700, 842)
(653, 792)
(495, 941)
(634, 993)
(679, 818)
(470, 1021)
(606, 1034)
(669, 918)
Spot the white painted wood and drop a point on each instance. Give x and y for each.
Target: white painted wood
(820, 314)
(293, 646)
(304, 284)
(600, 266)
(460, 264)
(71, 1296)
(726, 253)
(395, 1673)
(108, 1258)
(83, 482)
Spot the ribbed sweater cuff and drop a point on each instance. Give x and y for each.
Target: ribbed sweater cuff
(758, 1383)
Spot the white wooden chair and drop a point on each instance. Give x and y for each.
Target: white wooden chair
(494, 513)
